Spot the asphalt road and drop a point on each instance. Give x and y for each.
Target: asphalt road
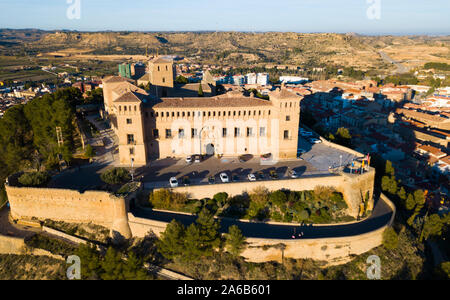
(401, 69)
(381, 215)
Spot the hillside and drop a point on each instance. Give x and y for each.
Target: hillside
(361, 52)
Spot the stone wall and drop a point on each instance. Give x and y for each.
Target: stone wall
(70, 206)
(353, 187)
(12, 245)
(333, 250)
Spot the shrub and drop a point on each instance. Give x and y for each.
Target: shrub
(89, 152)
(221, 199)
(390, 239)
(116, 176)
(278, 198)
(165, 199)
(34, 179)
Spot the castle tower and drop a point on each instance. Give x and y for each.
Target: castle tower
(287, 114)
(130, 126)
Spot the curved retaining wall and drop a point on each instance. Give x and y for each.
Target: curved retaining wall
(353, 187)
(333, 250)
(97, 207)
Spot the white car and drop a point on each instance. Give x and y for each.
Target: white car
(224, 177)
(173, 182)
(293, 174)
(315, 141)
(189, 159)
(251, 177)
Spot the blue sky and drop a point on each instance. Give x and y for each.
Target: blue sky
(397, 16)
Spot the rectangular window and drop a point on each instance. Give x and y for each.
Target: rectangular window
(237, 131)
(224, 132)
(249, 131)
(262, 131)
(288, 118)
(130, 139)
(168, 134)
(181, 133)
(194, 132)
(286, 134)
(129, 121)
(131, 151)
(155, 133)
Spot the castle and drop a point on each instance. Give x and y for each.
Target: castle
(170, 120)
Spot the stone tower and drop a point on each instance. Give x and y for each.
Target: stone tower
(287, 119)
(129, 118)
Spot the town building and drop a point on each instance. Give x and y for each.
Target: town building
(150, 125)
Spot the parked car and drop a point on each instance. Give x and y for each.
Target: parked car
(315, 141)
(251, 177)
(189, 159)
(186, 180)
(245, 158)
(198, 158)
(224, 177)
(306, 133)
(173, 182)
(211, 180)
(234, 177)
(273, 174)
(261, 175)
(293, 174)
(266, 157)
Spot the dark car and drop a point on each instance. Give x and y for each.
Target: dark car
(186, 180)
(234, 177)
(261, 175)
(211, 180)
(245, 158)
(273, 175)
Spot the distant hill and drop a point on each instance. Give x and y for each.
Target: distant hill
(239, 48)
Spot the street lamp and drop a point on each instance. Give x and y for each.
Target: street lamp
(132, 170)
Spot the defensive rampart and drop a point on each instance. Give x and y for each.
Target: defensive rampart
(97, 207)
(333, 250)
(353, 187)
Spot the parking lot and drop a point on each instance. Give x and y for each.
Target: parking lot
(316, 161)
(159, 172)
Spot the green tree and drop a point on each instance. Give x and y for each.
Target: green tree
(278, 198)
(181, 79)
(192, 240)
(171, 243)
(89, 152)
(116, 176)
(133, 268)
(402, 194)
(432, 227)
(444, 270)
(221, 199)
(112, 265)
(235, 241)
(389, 169)
(410, 202)
(200, 90)
(390, 239)
(90, 262)
(209, 232)
(34, 179)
